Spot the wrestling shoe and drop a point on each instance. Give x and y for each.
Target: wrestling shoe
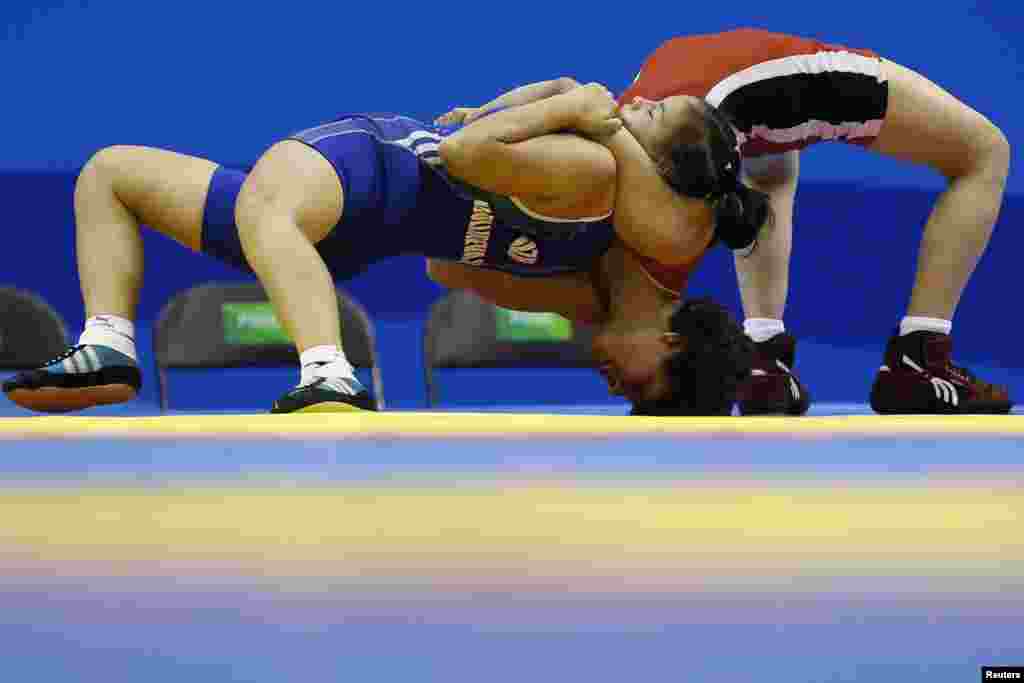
(325, 395)
(772, 388)
(82, 377)
(919, 378)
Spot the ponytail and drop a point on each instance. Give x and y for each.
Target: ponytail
(709, 169)
(740, 215)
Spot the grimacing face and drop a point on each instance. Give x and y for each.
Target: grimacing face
(654, 123)
(632, 362)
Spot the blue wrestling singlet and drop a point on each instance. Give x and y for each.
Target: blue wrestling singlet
(400, 200)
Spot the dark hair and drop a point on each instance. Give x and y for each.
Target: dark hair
(703, 161)
(705, 374)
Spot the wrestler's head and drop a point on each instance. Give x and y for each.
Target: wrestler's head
(690, 365)
(697, 153)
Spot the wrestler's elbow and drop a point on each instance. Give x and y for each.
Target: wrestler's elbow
(433, 272)
(461, 152)
(444, 274)
(564, 84)
(453, 152)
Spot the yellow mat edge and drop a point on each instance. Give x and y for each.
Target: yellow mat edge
(492, 424)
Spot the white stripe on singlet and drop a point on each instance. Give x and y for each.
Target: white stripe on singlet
(423, 144)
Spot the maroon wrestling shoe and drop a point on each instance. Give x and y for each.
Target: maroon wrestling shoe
(772, 388)
(919, 378)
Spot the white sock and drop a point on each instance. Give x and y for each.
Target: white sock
(763, 329)
(324, 361)
(915, 324)
(111, 331)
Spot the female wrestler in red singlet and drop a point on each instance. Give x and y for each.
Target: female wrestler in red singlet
(783, 93)
(772, 95)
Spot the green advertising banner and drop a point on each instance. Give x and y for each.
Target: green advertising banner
(521, 326)
(252, 324)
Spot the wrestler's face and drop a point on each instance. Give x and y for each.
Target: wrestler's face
(632, 362)
(656, 124)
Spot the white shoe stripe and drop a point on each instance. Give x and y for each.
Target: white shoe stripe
(945, 391)
(911, 364)
(796, 389)
(93, 358)
(949, 393)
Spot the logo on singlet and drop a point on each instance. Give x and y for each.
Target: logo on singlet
(523, 250)
(478, 234)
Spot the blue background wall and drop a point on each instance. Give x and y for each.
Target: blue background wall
(224, 80)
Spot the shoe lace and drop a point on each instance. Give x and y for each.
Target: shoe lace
(960, 373)
(64, 355)
(339, 384)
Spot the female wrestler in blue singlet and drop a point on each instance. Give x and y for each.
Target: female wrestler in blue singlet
(511, 193)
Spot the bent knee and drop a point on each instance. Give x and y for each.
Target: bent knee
(255, 204)
(995, 149)
(121, 169)
(100, 177)
(988, 153)
(291, 185)
(259, 209)
(104, 165)
(115, 159)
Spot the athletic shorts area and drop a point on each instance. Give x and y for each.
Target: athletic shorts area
(381, 182)
(789, 103)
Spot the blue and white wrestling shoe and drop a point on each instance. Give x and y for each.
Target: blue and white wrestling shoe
(82, 377)
(326, 395)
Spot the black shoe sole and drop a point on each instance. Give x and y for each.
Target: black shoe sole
(779, 409)
(979, 408)
(314, 399)
(884, 403)
(322, 407)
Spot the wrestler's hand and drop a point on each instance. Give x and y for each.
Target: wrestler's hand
(459, 115)
(598, 115)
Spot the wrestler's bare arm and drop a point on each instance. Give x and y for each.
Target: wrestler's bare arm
(572, 295)
(513, 98)
(523, 151)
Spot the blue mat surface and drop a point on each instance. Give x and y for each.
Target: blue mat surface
(779, 552)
